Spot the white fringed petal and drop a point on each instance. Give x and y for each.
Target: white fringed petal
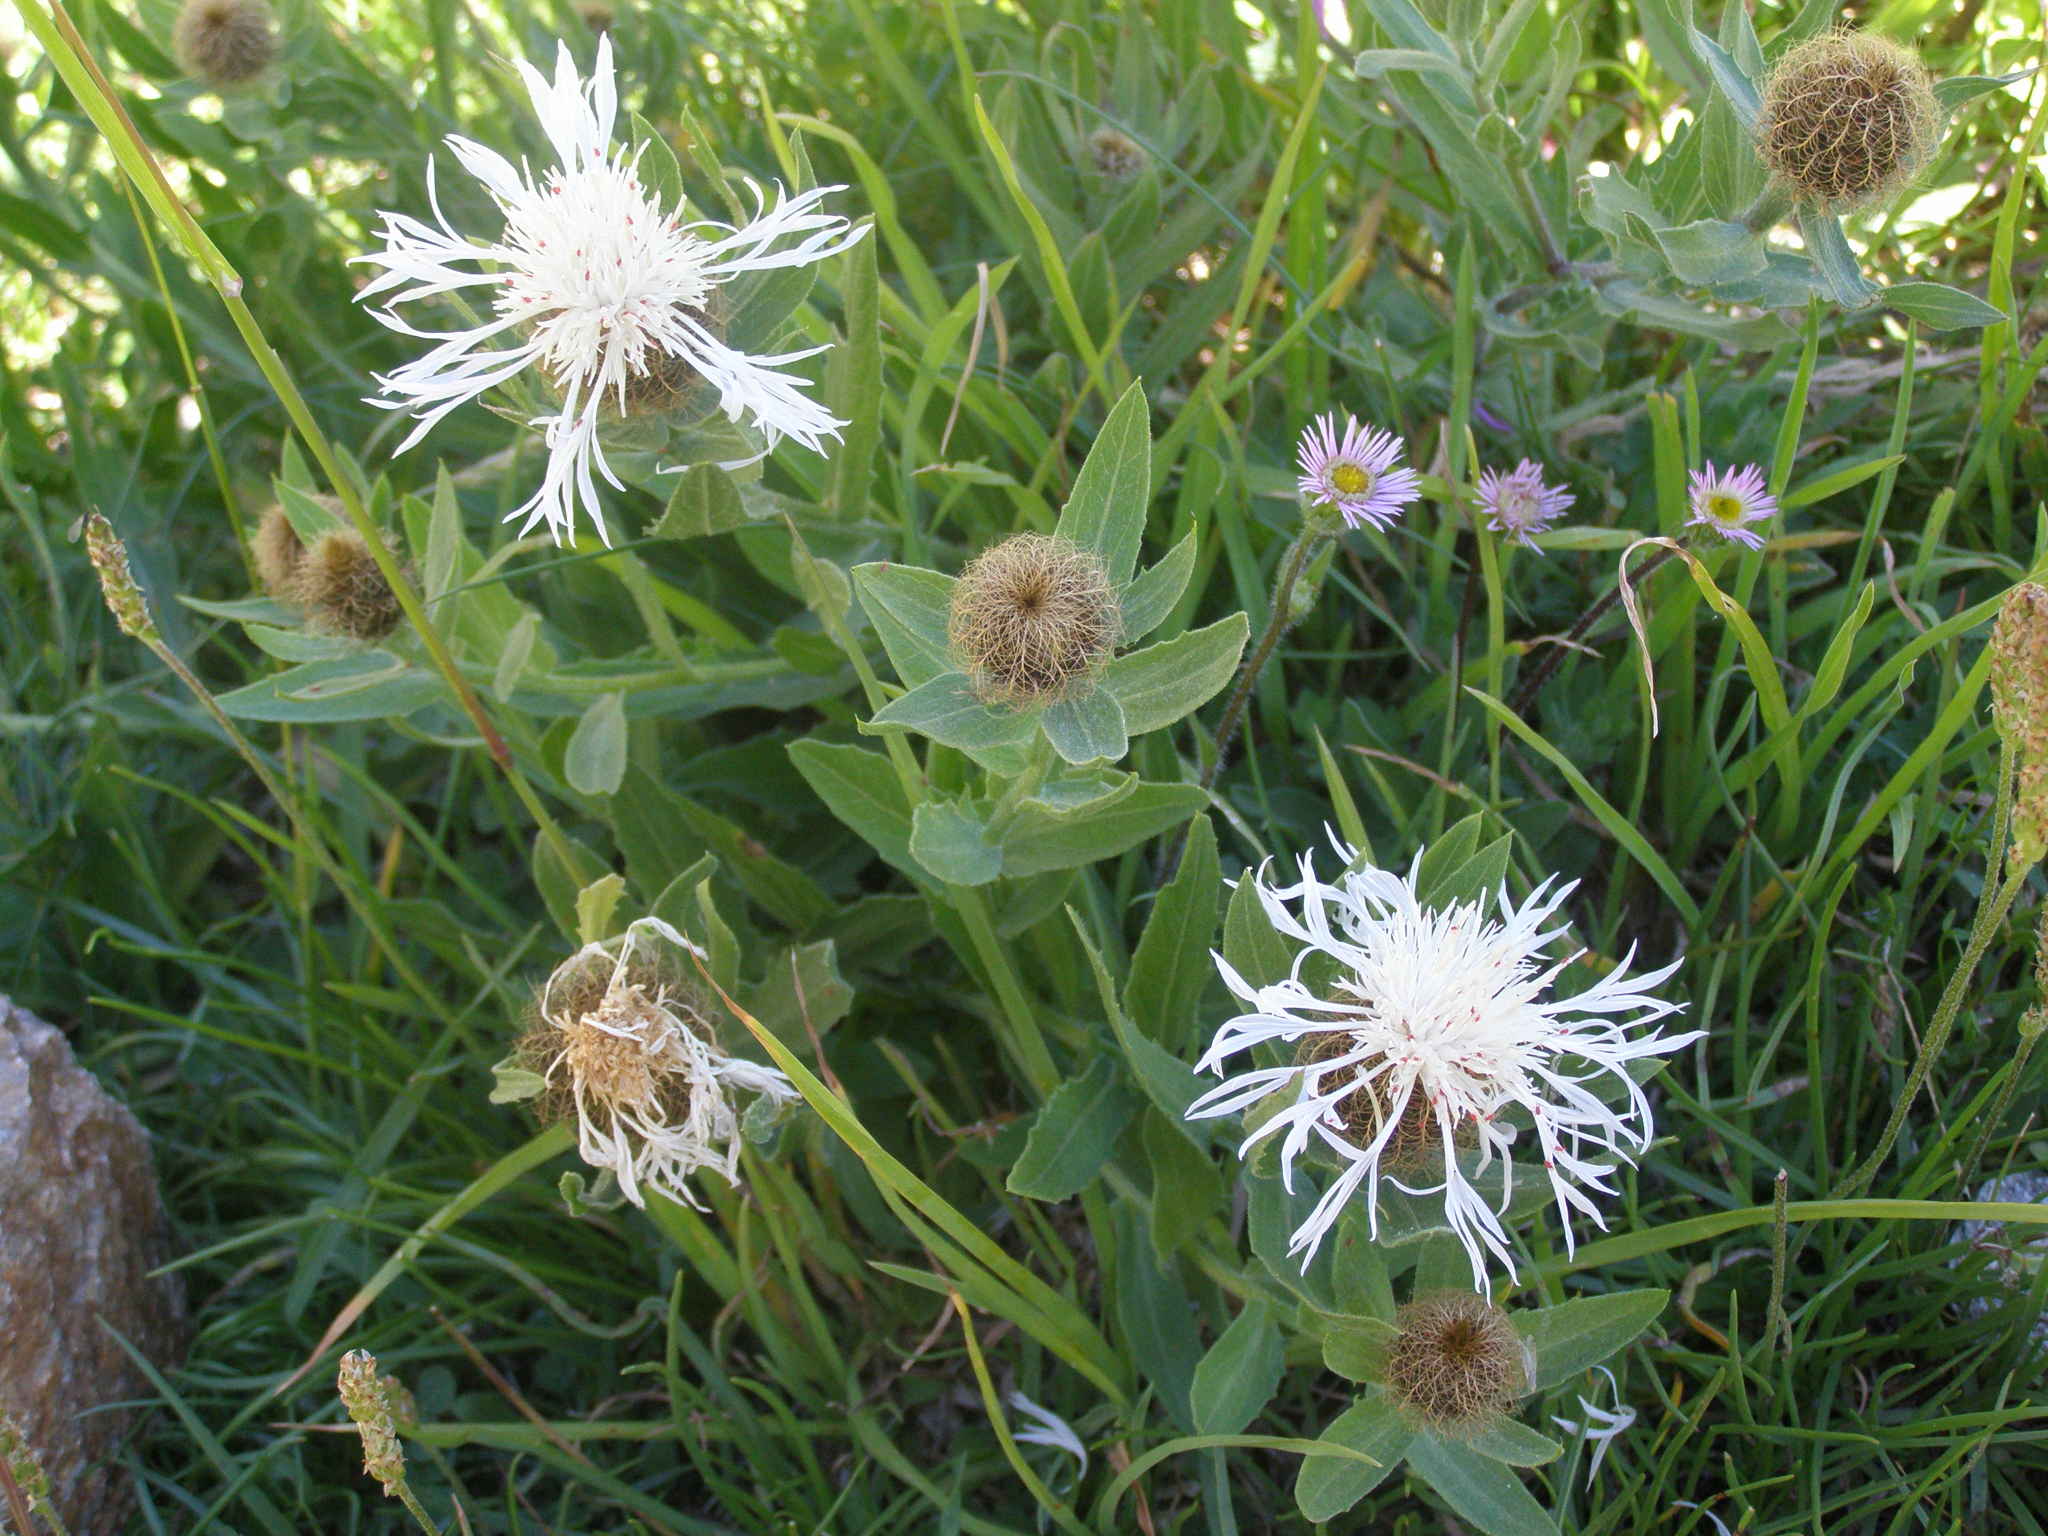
(1451, 1004)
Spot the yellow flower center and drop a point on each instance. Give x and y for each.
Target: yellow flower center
(1350, 479)
(1724, 508)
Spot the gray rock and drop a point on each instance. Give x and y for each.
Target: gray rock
(2013, 1262)
(80, 1229)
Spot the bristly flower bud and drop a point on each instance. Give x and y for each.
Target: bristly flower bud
(2019, 705)
(380, 1407)
(1116, 154)
(117, 582)
(1455, 1363)
(277, 551)
(225, 43)
(1033, 620)
(1848, 118)
(342, 590)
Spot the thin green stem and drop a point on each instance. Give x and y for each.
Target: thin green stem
(1991, 913)
(1026, 1041)
(1305, 544)
(1525, 695)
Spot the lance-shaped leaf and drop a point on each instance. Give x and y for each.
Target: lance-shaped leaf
(1106, 511)
(908, 607)
(946, 710)
(1166, 682)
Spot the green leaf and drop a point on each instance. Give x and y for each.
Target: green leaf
(1086, 728)
(1171, 968)
(1712, 251)
(1829, 248)
(444, 541)
(562, 884)
(946, 710)
(1475, 879)
(862, 790)
(826, 591)
(1164, 683)
(1153, 591)
(1356, 1347)
(1187, 1188)
(1106, 511)
(1326, 1486)
(1575, 1336)
(1960, 90)
(908, 607)
(1163, 1077)
(1038, 840)
(595, 763)
(948, 839)
(1515, 1443)
(801, 994)
(1156, 1318)
(1736, 86)
(370, 685)
(704, 502)
(595, 904)
(853, 381)
(1481, 1492)
(1074, 1133)
(1240, 1373)
(1940, 307)
(1250, 945)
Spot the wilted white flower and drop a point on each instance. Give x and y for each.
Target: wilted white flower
(624, 1045)
(599, 286)
(1354, 473)
(1520, 503)
(1600, 1425)
(1729, 500)
(1050, 1430)
(1433, 1028)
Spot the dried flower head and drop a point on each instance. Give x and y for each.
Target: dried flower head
(1519, 503)
(342, 590)
(597, 16)
(1729, 500)
(277, 551)
(1032, 620)
(380, 1406)
(1847, 118)
(625, 1044)
(1455, 1362)
(598, 284)
(2019, 705)
(1437, 1014)
(1354, 474)
(224, 43)
(1116, 154)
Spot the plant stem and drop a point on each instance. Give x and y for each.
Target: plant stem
(1991, 912)
(1305, 544)
(1525, 693)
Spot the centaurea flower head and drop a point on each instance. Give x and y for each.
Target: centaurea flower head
(595, 284)
(1434, 1028)
(1455, 1363)
(1729, 500)
(1354, 472)
(1519, 503)
(625, 1045)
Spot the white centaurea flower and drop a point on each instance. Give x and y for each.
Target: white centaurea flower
(1048, 1429)
(1600, 1426)
(623, 1044)
(598, 286)
(1434, 1029)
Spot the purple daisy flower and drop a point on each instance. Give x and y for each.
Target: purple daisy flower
(1354, 474)
(1728, 500)
(1519, 504)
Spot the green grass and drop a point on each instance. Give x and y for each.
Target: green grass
(304, 1009)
